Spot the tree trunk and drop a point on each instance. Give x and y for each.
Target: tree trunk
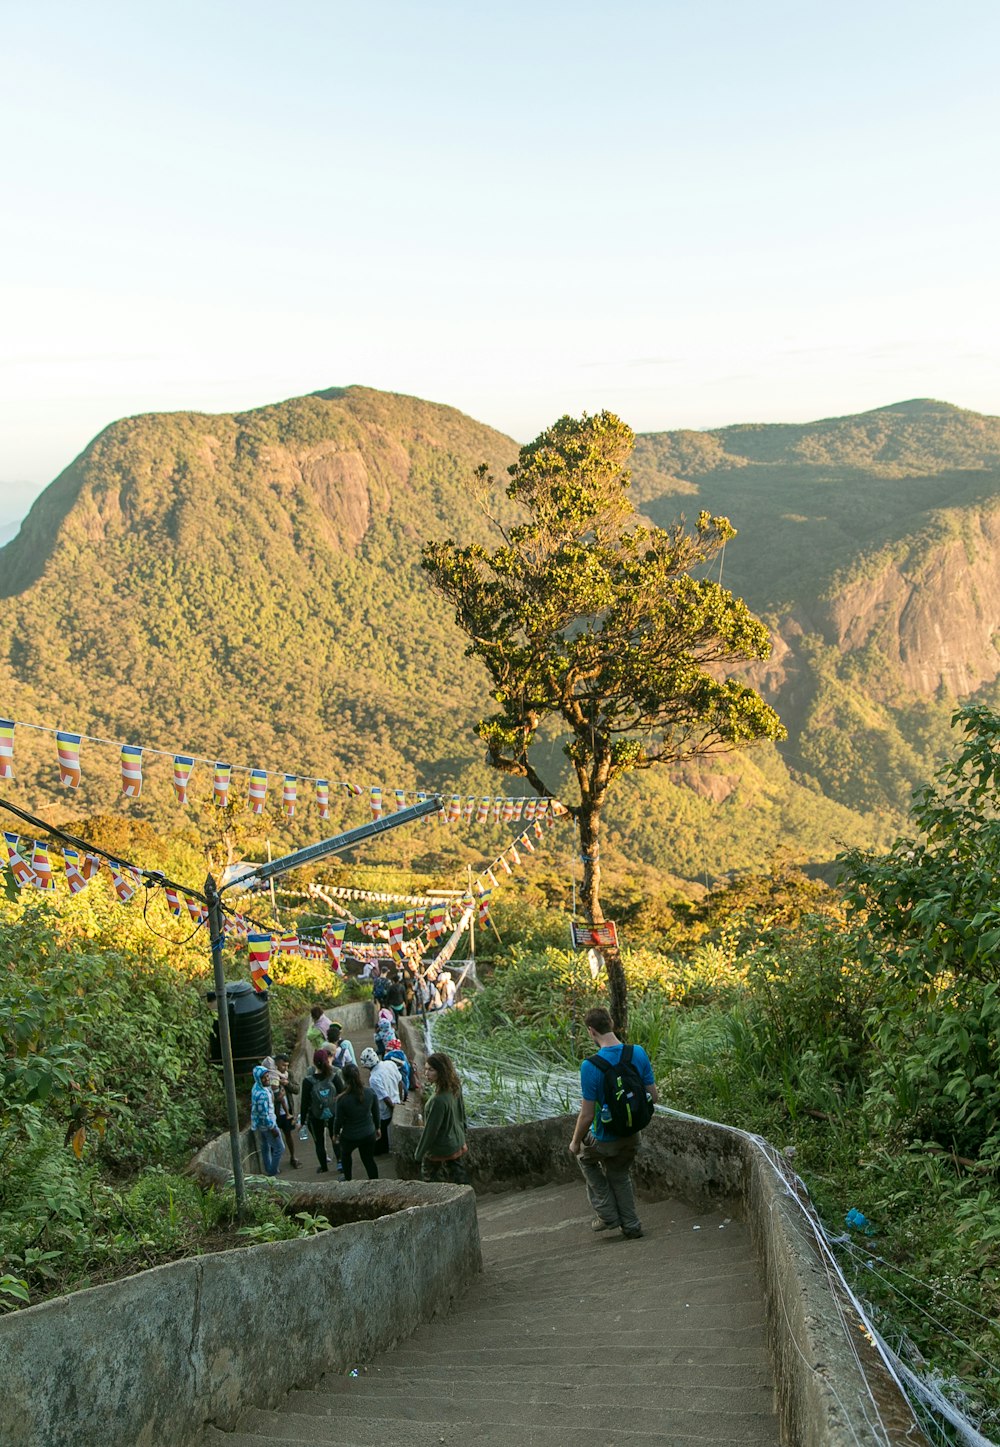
(590, 848)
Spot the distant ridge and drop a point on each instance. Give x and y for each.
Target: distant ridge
(250, 583)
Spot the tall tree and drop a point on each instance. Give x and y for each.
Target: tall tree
(585, 613)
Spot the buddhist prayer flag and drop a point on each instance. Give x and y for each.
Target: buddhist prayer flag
(220, 784)
(91, 865)
(41, 867)
(512, 851)
(289, 794)
(470, 807)
(435, 921)
(257, 791)
(323, 798)
(529, 809)
(125, 880)
(483, 812)
(194, 908)
(71, 863)
(289, 945)
(259, 951)
(484, 907)
(492, 879)
(19, 867)
(68, 749)
(131, 771)
(354, 789)
(183, 764)
(422, 799)
(537, 826)
(395, 923)
(173, 900)
(333, 943)
(376, 801)
(6, 748)
(526, 843)
(508, 811)
(503, 864)
(518, 807)
(497, 809)
(400, 795)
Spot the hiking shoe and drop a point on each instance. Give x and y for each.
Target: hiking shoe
(598, 1225)
(632, 1235)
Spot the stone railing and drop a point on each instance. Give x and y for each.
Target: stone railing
(153, 1358)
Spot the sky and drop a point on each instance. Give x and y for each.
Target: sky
(690, 213)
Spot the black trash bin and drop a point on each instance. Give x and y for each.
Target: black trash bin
(249, 1027)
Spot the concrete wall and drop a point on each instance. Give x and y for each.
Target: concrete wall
(147, 1361)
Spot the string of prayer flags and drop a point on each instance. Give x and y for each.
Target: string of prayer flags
(19, 866)
(71, 864)
(333, 942)
(323, 798)
(376, 801)
(257, 790)
(183, 764)
(41, 867)
(220, 784)
(131, 771)
(259, 950)
(289, 794)
(6, 748)
(68, 751)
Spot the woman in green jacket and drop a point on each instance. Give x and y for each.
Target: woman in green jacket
(441, 1148)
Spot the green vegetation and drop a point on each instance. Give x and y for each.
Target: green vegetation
(588, 618)
(106, 1091)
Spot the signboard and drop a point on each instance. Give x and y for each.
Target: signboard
(595, 936)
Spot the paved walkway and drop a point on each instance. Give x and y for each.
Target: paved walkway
(568, 1336)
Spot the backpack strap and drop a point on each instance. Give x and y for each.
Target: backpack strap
(605, 1066)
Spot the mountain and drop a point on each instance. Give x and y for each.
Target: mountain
(247, 587)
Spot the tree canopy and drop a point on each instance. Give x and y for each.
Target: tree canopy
(586, 613)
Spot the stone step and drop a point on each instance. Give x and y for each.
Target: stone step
(680, 1376)
(270, 1427)
(549, 1317)
(484, 1403)
(701, 1347)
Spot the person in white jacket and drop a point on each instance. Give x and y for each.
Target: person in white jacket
(387, 1083)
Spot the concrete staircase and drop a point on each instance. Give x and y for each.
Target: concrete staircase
(568, 1335)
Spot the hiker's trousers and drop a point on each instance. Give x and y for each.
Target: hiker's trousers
(606, 1167)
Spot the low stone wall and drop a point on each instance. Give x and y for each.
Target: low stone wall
(148, 1361)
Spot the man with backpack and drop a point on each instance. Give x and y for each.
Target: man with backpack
(619, 1093)
(320, 1089)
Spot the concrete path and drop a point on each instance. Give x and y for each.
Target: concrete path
(568, 1336)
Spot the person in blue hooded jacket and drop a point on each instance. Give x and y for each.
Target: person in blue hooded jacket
(264, 1122)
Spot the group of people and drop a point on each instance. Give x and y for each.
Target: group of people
(406, 991)
(616, 1084)
(339, 1109)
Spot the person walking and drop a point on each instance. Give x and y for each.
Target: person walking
(320, 1089)
(341, 1051)
(442, 1146)
(284, 1107)
(263, 1122)
(387, 1083)
(618, 1093)
(356, 1126)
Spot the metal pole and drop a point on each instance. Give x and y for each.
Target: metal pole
(225, 1041)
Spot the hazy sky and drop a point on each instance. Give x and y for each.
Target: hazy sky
(692, 213)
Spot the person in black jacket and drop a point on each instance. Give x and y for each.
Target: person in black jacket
(357, 1124)
(320, 1089)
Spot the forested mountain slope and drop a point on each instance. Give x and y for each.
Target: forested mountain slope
(248, 586)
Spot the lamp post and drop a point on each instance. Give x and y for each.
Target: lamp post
(213, 896)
